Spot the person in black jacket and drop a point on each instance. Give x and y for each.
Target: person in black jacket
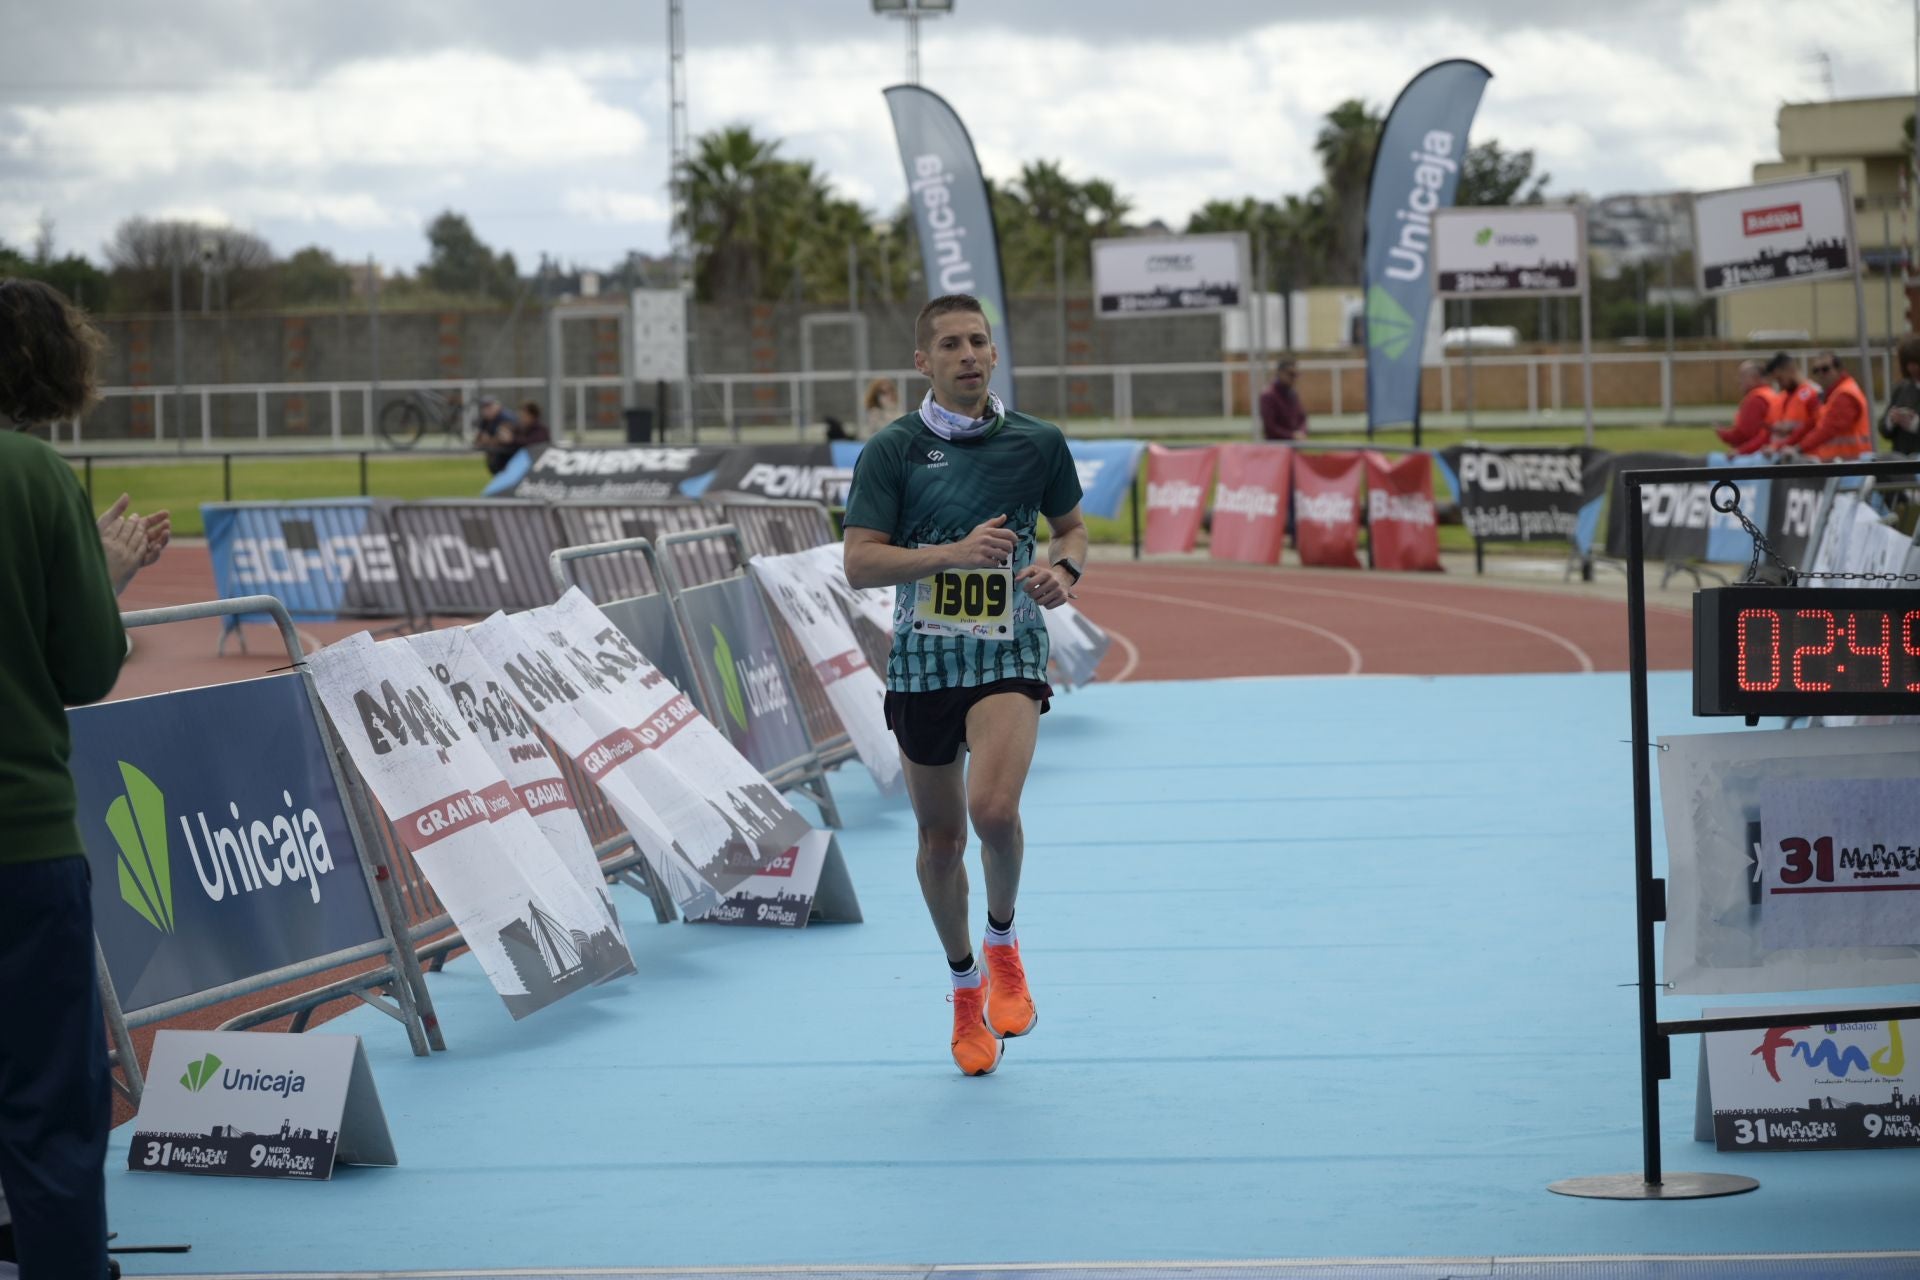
(1900, 424)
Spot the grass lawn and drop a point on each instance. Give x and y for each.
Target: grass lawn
(182, 486)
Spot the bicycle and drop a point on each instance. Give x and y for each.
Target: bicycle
(404, 421)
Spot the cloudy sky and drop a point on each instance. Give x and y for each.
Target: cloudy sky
(351, 124)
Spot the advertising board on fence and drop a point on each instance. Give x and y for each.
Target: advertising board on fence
(802, 471)
(323, 559)
(1181, 275)
(1326, 508)
(739, 661)
(1521, 251)
(495, 719)
(1177, 485)
(726, 819)
(647, 474)
(1523, 493)
(1799, 229)
(1106, 469)
(800, 589)
(536, 933)
(219, 845)
(1403, 531)
(1250, 506)
(248, 1104)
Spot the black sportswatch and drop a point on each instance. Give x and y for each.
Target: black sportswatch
(1067, 563)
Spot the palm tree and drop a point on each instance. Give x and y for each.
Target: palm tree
(728, 210)
(1346, 144)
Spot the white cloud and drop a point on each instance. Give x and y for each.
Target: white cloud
(602, 204)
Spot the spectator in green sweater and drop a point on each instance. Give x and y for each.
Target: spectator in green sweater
(61, 643)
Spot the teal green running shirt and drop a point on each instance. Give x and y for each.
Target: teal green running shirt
(921, 490)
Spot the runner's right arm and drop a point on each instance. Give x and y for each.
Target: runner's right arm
(873, 561)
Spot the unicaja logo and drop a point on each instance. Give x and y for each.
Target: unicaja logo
(138, 822)
(200, 1074)
(1484, 237)
(1389, 327)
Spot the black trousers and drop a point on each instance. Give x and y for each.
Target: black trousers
(56, 1101)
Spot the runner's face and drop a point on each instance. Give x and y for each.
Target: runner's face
(960, 360)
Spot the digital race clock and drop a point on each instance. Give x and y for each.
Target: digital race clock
(1799, 651)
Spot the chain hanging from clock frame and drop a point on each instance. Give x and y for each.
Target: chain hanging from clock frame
(1731, 507)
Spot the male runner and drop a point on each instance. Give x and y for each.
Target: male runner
(944, 505)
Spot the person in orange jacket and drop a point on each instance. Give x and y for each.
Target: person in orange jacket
(1799, 401)
(1760, 405)
(1844, 427)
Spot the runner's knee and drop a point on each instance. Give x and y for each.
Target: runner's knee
(942, 847)
(997, 821)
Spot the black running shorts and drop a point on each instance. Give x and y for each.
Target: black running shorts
(932, 727)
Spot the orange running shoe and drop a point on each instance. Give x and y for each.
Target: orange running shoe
(1010, 1010)
(976, 1050)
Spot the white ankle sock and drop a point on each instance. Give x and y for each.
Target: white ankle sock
(967, 980)
(997, 939)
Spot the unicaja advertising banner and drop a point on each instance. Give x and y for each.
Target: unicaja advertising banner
(739, 661)
(1402, 529)
(959, 247)
(1326, 509)
(1777, 231)
(537, 934)
(1524, 251)
(800, 587)
(1177, 483)
(499, 725)
(1416, 170)
(218, 842)
(1250, 507)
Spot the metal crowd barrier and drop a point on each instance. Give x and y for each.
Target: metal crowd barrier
(470, 557)
(805, 773)
(399, 978)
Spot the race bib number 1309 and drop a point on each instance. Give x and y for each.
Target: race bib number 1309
(965, 602)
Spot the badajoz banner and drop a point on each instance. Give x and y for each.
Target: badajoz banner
(1813, 1085)
(538, 935)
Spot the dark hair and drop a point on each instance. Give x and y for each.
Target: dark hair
(944, 305)
(1780, 361)
(48, 354)
(531, 409)
(1908, 352)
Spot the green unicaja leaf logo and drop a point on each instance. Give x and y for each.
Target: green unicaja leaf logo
(1485, 236)
(198, 1073)
(138, 821)
(1389, 327)
(729, 678)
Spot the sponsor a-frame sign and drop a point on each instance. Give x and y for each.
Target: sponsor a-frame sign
(1788, 231)
(1481, 251)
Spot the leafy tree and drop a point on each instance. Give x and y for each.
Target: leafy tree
(1345, 145)
(733, 182)
(458, 262)
(312, 276)
(1490, 175)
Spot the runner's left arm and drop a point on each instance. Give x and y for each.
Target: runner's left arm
(1049, 586)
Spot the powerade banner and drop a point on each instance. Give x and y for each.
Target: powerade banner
(1177, 483)
(1525, 494)
(1403, 532)
(1416, 170)
(739, 659)
(959, 248)
(1675, 518)
(1106, 469)
(806, 472)
(324, 559)
(218, 843)
(615, 475)
(1250, 506)
(1326, 509)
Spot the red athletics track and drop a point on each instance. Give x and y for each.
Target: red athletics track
(1170, 620)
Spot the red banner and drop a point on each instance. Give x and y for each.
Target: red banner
(1402, 531)
(1250, 508)
(1177, 482)
(1326, 508)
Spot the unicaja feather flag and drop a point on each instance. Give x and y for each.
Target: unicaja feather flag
(959, 250)
(1416, 170)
